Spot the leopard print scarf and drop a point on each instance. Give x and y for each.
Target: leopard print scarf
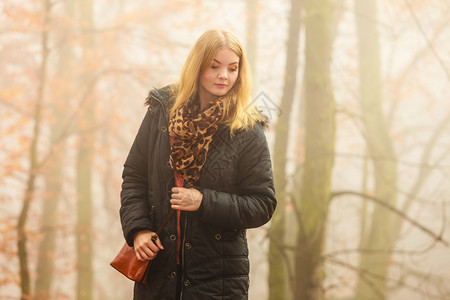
(191, 131)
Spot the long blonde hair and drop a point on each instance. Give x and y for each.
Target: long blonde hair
(239, 113)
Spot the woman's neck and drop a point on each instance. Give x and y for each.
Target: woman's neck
(204, 99)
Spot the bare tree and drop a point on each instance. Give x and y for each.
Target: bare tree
(85, 158)
(54, 173)
(252, 38)
(25, 283)
(380, 230)
(319, 149)
(278, 259)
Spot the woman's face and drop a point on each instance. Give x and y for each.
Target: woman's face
(220, 76)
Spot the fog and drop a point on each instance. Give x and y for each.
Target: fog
(359, 137)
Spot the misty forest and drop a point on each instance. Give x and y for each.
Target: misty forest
(357, 95)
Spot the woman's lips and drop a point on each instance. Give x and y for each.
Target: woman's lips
(221, 85)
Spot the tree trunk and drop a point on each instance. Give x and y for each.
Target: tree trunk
(85, 159)
(277, 257)
(319, 150)
(46, 253)
(53, 180)
(84, 215)
(374, 266)
(25, 284)
(252, 25)
(364, 214)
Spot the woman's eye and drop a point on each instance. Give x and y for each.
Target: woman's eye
(233, 70)
(214, 67)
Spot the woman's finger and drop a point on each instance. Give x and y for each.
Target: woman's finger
(157, 242)
(138, 255)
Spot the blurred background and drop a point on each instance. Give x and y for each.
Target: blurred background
(357, 92)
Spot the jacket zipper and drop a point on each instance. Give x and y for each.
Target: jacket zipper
(183, 242)
(184, 233)
(182, 255)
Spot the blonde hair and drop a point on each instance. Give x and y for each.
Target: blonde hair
(239, 113)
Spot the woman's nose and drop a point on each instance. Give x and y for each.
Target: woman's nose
(223, 74)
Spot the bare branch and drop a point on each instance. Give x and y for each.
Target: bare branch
(367, 274)
(430, 44)
(16, 108)
(424, 173)
(401, 79)
(364, 275)
(438, 238)
(66, 128)
(378, 251)
(422, 165)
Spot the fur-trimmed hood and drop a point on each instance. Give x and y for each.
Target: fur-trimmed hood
(165, 96)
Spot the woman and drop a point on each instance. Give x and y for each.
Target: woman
(205, 130)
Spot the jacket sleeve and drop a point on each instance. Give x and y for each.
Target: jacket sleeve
(255, 202)
(134, 210)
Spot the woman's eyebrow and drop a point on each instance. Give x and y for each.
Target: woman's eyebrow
(233, 63)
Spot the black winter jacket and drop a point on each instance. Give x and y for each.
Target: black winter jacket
(238, 193)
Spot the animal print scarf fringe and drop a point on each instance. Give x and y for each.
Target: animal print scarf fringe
(192, 131)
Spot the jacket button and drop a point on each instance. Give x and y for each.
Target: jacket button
(152, 210)
(163, 128)
(187, 282)
(173, 275)
(188, 246)
(218, 236)
(173, 237)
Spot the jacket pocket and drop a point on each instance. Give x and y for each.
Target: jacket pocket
(221, 235)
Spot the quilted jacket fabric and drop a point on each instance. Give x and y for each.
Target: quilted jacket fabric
(238, 193)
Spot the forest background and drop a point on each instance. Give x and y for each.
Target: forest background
(357, 95)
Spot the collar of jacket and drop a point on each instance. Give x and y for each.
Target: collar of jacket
(164, 96)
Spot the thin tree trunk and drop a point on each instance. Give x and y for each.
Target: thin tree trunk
(381, 228)
(364, 215)
(25, 284)
(53, 180)
(251, 47)
(252, 32)
(319, 150)
(278, 259)
(85, 160)
(46, 252)
(84, 217)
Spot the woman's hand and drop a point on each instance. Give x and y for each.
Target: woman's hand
(186, 199)
(146, 245)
